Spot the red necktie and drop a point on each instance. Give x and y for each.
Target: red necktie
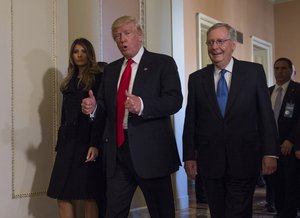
(124, 85)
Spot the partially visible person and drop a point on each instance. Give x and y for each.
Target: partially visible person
(229, 121)
(96, 141)
(270, 189)
(139, 94)
(297, 153)
(287, 93)
(293, 76)
(76, 171)
(260, 181)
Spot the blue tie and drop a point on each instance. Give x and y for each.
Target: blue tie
(222, 92)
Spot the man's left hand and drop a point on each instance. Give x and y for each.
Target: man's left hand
(269, 165)
(132, 103)
(286, 147)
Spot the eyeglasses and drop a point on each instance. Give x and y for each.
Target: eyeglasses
(219, 42)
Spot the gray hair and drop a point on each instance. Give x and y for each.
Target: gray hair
(230, 29)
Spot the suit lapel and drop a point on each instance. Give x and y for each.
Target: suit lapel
(271, 89)
(287, 97)
(210, 90)
(115, 74)
(144, 67)
(237, 82)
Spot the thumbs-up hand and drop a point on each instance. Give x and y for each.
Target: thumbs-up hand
(132, 103)
(88, 104)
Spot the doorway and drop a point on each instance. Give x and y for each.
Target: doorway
(262, 54)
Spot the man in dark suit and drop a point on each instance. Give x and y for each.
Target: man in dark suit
(234, 138)
(147, 154)
(297, 153)
(287, 116)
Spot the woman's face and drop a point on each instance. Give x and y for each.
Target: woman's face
(80, 56)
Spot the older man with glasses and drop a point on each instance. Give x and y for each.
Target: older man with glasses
(229, 123)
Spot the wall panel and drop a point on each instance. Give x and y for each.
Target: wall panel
(33, 95)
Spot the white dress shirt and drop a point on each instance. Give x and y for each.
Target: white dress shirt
(227, 75)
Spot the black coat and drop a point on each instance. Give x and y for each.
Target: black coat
(72, 177)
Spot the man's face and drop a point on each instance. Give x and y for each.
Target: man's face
(282, 72)
(128, 40)
(220, 47)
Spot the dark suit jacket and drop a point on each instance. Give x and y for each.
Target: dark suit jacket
(152, 142)
(233, 144)
(287, 123)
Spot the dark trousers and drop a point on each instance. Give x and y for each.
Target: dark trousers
(101, 200)
(230, 197)
(121, 187)
(285, 187)
(270, 188)
(298, 184)
(199, 187)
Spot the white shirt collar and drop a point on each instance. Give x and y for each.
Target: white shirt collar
(137, 58)
(228, 68)
(284, 86)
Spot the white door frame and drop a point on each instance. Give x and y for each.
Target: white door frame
(204, 23)
(257, 43)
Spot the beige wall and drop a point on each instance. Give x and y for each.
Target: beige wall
(84, 21)
(253, 17)
(287, 32)
(33, 44)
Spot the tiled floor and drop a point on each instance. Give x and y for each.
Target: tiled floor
(201, 210)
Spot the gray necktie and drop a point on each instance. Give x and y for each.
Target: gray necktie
(277, 105)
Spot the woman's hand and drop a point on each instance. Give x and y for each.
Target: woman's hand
(92, 154)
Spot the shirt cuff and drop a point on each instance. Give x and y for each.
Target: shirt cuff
(93, 114)
(272, 156)
(142, 107)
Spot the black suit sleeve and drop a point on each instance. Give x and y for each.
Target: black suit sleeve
(267, 125)
(99, 121)
(165, 98)
(189, 124)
